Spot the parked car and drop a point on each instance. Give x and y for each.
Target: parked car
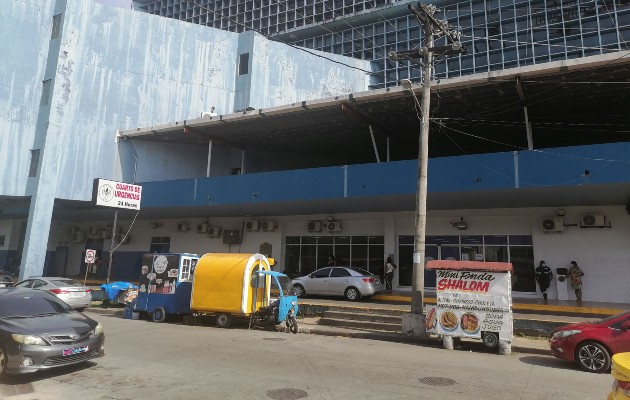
(350, 282)
(621, 372)
(6, 279)
(39, 331)
(592, 344)
(72, 292)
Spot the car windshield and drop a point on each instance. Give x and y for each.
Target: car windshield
(613, 317)
(28, 305)
(361, 271)
(65, 282)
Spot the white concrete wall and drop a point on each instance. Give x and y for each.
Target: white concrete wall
(601, 252)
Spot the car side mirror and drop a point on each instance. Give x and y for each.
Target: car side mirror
(625, 325)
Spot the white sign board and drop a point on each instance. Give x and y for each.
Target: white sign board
(90, 256)
(472, 302)
(117, 194)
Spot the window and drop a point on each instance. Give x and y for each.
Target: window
(243, 64)
(46, 86)
(516, 249)
(56, 28)
(2, 240)
(160, 245)
(339, 272)
(305, 254)
(321, 273)
(185, 272)
(32, 169)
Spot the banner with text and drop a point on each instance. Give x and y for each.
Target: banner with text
(116, 194)
(471, 302)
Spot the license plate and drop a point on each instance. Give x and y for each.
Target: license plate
(76, 294)
(76, 350)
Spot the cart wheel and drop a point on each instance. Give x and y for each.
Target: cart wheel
(292, 324)
(158, 315)
(224, 320)
(490, 339)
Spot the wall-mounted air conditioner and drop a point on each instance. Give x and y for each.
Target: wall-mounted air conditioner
(593, 221)
(214, 231)
(252, 225)
(314, 226)
(268, 225)
(78, 237)
(552, 224)
(183, 227)
(202, 228)
(333, 226)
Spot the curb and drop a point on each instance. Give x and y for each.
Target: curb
(386, 337)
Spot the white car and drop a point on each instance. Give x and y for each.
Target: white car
(349, 282)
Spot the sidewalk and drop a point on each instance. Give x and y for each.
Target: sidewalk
(309, 325)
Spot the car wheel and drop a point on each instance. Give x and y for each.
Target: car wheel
(299, 290)
(158, 315)
(352, 294)
(593, 357)
(490, 340)
(4, 359)
(224, 320)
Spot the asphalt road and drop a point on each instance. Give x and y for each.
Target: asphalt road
(174, 361)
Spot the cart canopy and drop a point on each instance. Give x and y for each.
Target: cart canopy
(470, 266)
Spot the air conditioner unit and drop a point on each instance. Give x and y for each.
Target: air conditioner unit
(593, 221)
(78, 237)
(183, 227)
(252, 225)
(121, 239)
(314, 226)
(202, 228)
(268, 225)
(552, 224)
(333, 226)
(214, 231)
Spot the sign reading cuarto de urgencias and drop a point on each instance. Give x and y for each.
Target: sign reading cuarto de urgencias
(116, 194)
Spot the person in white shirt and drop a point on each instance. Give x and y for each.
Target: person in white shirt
(390, 267)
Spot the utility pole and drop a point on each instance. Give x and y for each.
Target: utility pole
(414, 323)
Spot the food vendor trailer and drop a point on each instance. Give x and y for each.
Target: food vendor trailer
(239, 285)
(474, 300)
(165, 284)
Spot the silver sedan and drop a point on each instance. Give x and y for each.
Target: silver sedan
(349, 282)
(72, 292)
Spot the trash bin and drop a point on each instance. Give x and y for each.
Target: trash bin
(562, 283)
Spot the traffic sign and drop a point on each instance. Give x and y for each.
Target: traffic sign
(90, 256)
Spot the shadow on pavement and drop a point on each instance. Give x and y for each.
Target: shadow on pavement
(550, 362)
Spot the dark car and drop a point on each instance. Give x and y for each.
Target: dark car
(592, 344)
(39, 331)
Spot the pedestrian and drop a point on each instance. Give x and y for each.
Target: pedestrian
(331, 260)
(390, 267)
(575, 275)
(544, 276)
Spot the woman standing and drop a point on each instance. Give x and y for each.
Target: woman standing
(575, 275)
(390, 267)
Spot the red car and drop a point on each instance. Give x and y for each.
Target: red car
(592, 344)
